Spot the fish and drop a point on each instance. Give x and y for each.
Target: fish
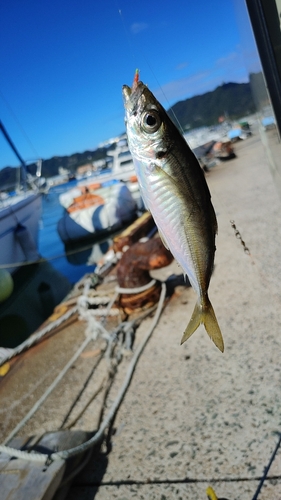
(174, 189)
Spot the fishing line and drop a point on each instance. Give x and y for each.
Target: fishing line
(225, 210)
(127, 33)
(239, 237)
(128, 36)
(232, 222)
(166, 98)
(273, 295)
(53, 257)
(236, 232)
(255, 261)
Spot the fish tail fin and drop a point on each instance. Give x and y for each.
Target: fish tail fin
(212, 326)
(204, 313)
(195, 321)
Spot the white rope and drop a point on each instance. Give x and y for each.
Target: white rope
(97, 301)
(42, 458)
(114, 298)
(4, 351)
(49, 390)
(33, 339)
(136, 290)
(92, 334)
(104, 312)
(6, 355)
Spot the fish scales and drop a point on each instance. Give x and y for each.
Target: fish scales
(174, 189)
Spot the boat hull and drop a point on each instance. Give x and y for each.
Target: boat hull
(119, 209)
(38, 289)
(19, 225)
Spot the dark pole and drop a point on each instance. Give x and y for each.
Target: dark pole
(7, 137)
(268, 40)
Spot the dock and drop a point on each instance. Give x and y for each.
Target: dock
(192, 417)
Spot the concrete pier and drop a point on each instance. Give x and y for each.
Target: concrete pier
(192, 416)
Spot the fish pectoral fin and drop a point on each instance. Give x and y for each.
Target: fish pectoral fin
(165, 175)
(205, 314)
(179, 190)
(163, 239)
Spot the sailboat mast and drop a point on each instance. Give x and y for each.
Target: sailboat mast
(9, 140)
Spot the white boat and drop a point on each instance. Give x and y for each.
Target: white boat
(97, 213)
(32, 292)
(20, 214)
(19, 224)
(29, 298)
(120, 167)
(105, 202)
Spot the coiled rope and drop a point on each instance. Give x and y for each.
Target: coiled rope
(6, 355)
(140, 289)
(65, 454)
(49, 390)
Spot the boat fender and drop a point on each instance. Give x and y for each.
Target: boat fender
(6, 285)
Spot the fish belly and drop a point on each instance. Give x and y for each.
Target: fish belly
(171, 216)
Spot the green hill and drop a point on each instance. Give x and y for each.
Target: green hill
(233, 100)
(51, 167)
(9, 175)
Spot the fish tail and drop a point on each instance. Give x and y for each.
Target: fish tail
(204, 313)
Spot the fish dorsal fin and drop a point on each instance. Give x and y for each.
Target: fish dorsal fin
(163, 239)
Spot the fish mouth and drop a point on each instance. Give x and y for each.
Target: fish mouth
(131, 96)
(127, 92)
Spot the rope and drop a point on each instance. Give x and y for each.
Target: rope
(97, 301)
(114, 298)
(92, 335)
(49, 390)
(7, 354)
(104, 312)
(65, 454)
(35, 337)
(136, 290)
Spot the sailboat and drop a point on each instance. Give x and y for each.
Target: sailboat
(20, 213)
(28, 293)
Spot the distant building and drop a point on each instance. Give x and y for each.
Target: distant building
(84, 169)
(63, 171)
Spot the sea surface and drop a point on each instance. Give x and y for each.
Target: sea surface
(77, 263)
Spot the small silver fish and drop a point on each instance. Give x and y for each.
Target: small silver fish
(174, 189)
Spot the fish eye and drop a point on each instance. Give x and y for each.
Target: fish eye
(151, 121)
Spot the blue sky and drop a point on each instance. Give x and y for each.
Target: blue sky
(63, 64)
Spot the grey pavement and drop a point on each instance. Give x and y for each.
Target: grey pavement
(194, 417)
